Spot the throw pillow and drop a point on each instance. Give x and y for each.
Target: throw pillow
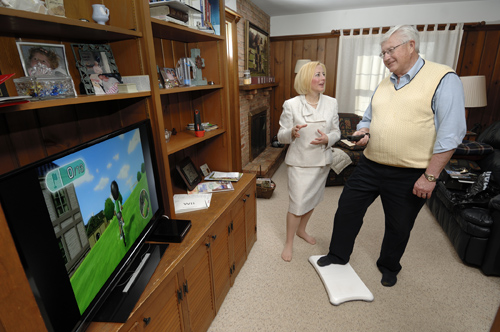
(470, 148)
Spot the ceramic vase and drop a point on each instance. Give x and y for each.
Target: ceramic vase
(100, 14)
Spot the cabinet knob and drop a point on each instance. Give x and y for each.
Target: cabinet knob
(244, 200)
(214, 237)
(207, 244)
(248, 195)
(147, 320)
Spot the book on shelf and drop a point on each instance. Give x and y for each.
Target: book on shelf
(206, 125)
(187, 203)
(224, 176)
(212, 187)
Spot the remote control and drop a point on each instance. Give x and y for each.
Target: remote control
(355, 138)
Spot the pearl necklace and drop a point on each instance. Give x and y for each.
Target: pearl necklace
(312, 104)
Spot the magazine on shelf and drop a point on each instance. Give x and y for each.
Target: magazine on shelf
(212, 187)
(187, 203)
(224, 176)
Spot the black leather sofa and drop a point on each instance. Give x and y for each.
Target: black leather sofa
(472, 223)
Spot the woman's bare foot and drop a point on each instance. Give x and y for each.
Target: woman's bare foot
(287, 252)
(308, 238)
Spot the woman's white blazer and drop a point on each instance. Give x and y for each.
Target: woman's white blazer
(325, 117)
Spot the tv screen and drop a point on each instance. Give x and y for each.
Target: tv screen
(78, 218)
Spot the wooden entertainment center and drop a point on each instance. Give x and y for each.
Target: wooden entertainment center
(194, 276)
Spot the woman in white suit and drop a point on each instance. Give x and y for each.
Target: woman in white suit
(310, 124)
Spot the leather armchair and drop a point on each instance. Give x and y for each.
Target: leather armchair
(473, 225)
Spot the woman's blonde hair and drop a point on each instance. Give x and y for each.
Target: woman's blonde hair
(304, 77)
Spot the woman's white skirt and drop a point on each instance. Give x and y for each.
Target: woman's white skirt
(306, 188)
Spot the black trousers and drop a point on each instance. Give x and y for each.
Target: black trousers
(401, 207)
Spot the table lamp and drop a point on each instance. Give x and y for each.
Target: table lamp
(475, 93)
(300, 63)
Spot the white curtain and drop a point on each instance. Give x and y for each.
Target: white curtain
(360, 69)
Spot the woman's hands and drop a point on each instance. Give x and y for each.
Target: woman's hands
(295, 130)
(323, 139)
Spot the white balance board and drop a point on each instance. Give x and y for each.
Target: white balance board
(341, 282)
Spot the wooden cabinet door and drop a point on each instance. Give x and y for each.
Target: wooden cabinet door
(238, 236)
(250, 216)
(161, 312)
(198, 288)
(221, 258)
(165, 312)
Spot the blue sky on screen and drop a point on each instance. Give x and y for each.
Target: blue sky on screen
(119, 159)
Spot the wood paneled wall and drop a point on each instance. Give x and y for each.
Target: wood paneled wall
(285, 51)
(479, 55)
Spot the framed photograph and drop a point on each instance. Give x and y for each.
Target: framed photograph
(169, 77)
(93, 59)
(37, 57)
(189, 173)
(105, 83)
(205, 170)
(256, 50)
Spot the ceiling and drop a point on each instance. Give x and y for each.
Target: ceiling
(293, 7)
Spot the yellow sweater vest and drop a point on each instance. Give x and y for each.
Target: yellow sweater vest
(402, 130)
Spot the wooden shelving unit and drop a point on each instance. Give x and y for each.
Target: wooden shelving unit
(210, 257)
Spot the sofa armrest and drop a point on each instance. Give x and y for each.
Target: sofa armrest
(495, 203)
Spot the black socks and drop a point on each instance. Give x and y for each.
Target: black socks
(389, 278)
(329, 259)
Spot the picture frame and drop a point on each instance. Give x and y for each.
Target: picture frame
(256, 50)
(189, 173)
(105, 83)
(93, 59)
(205, 170)
(51, 55)
(170, 77)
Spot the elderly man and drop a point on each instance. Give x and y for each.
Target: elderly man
(412, 127)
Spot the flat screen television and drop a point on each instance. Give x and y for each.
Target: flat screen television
(80, 219)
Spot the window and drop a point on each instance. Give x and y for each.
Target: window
(361, 69)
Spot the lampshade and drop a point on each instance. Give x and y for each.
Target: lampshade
(475, 90)
(300, 63)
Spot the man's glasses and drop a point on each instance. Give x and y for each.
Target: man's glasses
(391, 50)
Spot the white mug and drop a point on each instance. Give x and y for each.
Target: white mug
(100, 14)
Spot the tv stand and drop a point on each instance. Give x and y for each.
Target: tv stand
(123, 298)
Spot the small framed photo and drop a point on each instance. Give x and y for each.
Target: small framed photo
(170, 77)
(105, 83)
(93, 60)
(189, 173)
(36, 58)
(205, 170)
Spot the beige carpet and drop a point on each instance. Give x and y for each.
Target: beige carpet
(435, 290)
